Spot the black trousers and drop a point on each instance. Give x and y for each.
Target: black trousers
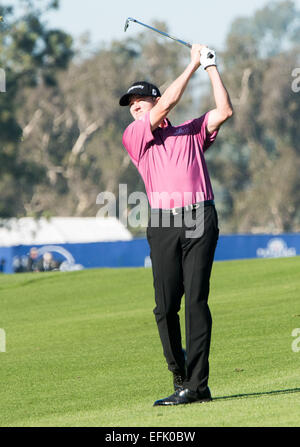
(181, 265)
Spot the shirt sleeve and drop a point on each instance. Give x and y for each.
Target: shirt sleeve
(137, 138)
(199, 125)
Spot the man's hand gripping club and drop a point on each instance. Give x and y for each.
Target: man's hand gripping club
(174, 92)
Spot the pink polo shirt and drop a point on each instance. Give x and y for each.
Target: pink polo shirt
(171, 160)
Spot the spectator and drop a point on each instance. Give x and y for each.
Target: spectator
(32, 262)
(17, 265)
(47, 263)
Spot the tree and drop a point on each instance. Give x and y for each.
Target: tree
(30, 54)
(61, 124)
(76, 129)
(256, 168)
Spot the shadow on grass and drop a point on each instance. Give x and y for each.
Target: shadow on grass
(46, 277)
(263, 393)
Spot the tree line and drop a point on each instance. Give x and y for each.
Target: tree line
(61, 125)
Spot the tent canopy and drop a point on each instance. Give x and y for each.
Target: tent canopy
(61, 230)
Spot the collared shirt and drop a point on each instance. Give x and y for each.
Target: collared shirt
(171, 160)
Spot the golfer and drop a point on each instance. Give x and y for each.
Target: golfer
(170, 160)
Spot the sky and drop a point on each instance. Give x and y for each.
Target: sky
(193, 21)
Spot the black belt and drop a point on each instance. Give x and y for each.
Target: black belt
(192, 206)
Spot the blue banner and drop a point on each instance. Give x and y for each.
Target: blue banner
(135, 253)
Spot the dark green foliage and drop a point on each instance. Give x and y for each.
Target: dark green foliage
(30, 55)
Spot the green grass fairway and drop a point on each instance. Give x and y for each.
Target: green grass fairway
(82, 349)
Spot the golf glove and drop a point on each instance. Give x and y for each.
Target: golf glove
(207, 57)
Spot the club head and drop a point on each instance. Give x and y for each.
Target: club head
(126, 25)
(127, 22)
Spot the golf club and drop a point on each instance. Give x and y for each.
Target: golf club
(155, 29)
(130, 19)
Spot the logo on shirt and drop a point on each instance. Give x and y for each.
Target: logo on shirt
(180, 131)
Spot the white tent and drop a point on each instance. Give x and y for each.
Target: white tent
(61, 230)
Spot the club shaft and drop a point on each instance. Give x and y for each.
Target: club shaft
(161, 32)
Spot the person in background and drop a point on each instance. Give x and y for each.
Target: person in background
(47, 263)
(32, 262)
